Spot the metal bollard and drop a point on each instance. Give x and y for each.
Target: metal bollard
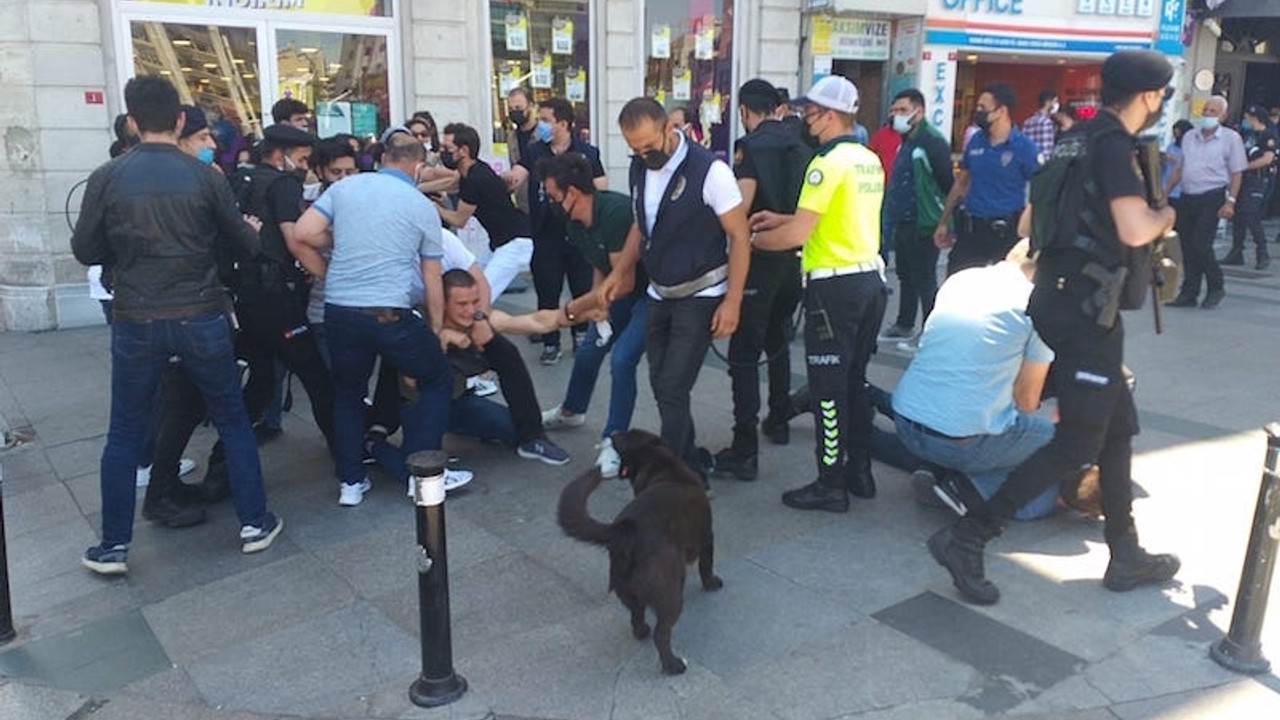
(1241, 650)
(438, 684)
(6, 610)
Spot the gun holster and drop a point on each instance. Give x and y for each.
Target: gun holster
(1103, 304)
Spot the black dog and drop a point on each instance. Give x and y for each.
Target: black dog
(665, 527)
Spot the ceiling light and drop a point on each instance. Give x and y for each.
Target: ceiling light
(309, 50)
(248, 76)
(186, 69)
(238, 60)
(210, 66)
(971, 58)
(182, 43)
(165, 72)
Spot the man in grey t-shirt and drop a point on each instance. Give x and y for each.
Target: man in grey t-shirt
(383, 232)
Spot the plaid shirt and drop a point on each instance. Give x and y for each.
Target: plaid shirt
(1042, 132)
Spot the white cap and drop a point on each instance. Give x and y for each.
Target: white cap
(834, 92)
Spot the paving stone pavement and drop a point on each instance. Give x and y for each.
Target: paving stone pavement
(822, 616)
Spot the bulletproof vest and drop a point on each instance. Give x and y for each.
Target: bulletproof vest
(687, 240)
(781, 158)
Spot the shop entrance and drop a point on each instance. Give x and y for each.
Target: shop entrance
(868, 75)
(1077, 81)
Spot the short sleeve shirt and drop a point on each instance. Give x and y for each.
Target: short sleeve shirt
(1115, 166)
(382, 228)
(611, 220)
(283, 199)
(844, 187)
(482, 188)
(999, 174)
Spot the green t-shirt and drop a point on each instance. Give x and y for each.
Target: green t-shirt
(611, 220)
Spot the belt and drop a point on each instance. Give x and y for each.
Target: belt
(383, 314)
(931, 432)
(711, 278)
(875, 266)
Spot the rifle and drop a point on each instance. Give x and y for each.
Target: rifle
(1149, 159)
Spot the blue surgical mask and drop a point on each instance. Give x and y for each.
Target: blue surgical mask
(543, 131)
(205, 155)
(1209, 123)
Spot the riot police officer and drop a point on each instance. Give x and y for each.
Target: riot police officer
(1097, 414)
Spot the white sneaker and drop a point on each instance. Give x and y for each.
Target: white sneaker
(351, 494)
(185, 466)
(453, 479)
(481, 386)
(143, 477)
(555, 419)
(609, 460)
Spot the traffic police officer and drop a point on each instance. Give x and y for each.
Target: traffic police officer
(1097, 414)
(837, 221)
(770, 164)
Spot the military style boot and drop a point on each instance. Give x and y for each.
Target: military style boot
(857, 475)
(739, 460)
(959, 548)
(1234, 257)
(1131, 566)
(829, 495)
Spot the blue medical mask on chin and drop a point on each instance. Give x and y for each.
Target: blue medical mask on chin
(543, 131)
(205, 155)
(1208, 123)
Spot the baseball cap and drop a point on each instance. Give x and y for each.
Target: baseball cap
(1136, 71)
(833, 92)
(287, 136)
(1257, 111)
(196, 121)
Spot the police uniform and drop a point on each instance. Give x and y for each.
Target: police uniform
(987, 229)
(1253, 191)
(844, 303)
(776, 157)
(1097, 416)
(270, 291)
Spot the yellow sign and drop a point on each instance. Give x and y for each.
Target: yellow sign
(820, 39)
(368, 8)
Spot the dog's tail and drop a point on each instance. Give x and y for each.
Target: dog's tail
(572, 514)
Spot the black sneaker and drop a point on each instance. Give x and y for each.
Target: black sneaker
(897, 332)
(256, 538)
(959, 548)
(1213, 299)
(737, 464)
(816, 496)
(922, 482)
(551, 355)
(1182, 301)
(107, 560)
(1235, 257)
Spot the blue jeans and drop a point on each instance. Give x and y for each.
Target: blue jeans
(469, 415)
(628, 316)
(403, 338)
(987, 459)
(139, 357)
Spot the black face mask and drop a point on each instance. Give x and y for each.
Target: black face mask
(982, 118)
(655, 159)
(1152, 119)
(448, 159)
(518, 117)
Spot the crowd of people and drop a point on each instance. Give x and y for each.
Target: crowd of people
(300, 261)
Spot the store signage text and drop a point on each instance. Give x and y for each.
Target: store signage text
(850, 38)
(365, 8)
(994, 7)
(260, 4)
(941, 106)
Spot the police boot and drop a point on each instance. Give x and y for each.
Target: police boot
(1234, 257)
(775, 428)
(1264, 258)
(216, 485)
(1131, 566)
(801, 402)
(822, 494)
(162, 505)
(739, 459)
(959, 548)
(857, 475)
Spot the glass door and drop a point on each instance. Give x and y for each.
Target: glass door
(343, 77)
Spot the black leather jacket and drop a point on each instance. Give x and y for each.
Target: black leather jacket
(162, 221)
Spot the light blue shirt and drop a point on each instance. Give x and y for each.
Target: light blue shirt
(960, 382)
(382, 229)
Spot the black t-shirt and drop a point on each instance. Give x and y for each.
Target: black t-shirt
(283, 199)
(545, 223)
(1115, 165)
(482, 188)
(1257, 144)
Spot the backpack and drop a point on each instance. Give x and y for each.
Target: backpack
(781, 163)
(274, 267)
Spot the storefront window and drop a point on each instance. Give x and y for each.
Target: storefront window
(541, 45)
(214, 68)
(342, 77)
(690, 64)
(365, 8)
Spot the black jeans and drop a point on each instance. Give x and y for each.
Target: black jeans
(768, 304)
(554, 260)
(842, 319)
(1197, 225)
(981, 241)
(677, 340)
(277, 326)
(517, 387)
(1097, 416)
(1248, 219)
(917, 264)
